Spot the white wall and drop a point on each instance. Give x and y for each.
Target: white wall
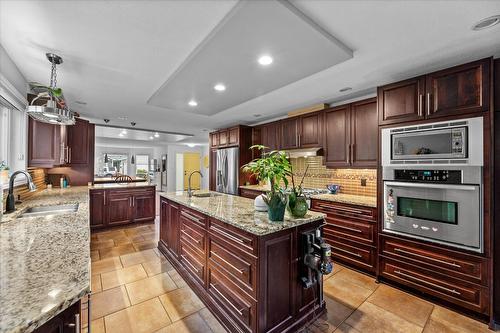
(10, 71)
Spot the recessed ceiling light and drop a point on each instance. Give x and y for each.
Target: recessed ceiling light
(121, 135)
(151, 137)
(257, 115)
(345, 89)
(124, 131)
(486, 23)
(265, 60)
(191, 145)
(50, 115)
(157, 135)
(220, 87)
(192, 103)
(122, 118)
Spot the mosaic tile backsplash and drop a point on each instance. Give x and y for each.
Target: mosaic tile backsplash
(318, 176)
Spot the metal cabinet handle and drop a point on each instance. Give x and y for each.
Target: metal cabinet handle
(428, 104)
(104, 198)
(411, 277)
(396, 249)
(76, 324)
(346, 251)
(347, 228)
(239, 311)
(420, 104)
(228, 235)
(69, 155)
(240, 270)
(190, 264)
(191, 237)
(191, 217)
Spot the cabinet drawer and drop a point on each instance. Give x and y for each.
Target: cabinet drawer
(235, 266)
(358, 231)
(237, 306)
(250, 194)
(194, 264)
(359, 255)
(439, 260)
(345, 211)
(234, 236)
(194, 216)
(459, 292)
(193, 235)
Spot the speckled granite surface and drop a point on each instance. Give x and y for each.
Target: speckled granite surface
(239, 212)
(255, 187)
(359, 200)
(121, 185)
(44, 261)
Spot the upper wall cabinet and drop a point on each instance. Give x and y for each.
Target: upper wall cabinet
(458, 90)
(337, 136)
(311, 134)
(289, 129)
(271, 135)
(78, 142)
(229, 137)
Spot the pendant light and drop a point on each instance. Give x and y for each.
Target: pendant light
(132, 160)
(54, 110)
(106, 159)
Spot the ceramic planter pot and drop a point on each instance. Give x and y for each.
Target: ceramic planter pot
(276, 208)
(297, 206)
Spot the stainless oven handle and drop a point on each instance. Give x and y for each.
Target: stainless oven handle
(439, 186)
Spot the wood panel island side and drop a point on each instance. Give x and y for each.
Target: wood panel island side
(246, 269)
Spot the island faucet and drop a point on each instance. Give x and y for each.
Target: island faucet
(190, 192)
(11, 202)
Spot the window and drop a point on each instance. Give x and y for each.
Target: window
(142, 166)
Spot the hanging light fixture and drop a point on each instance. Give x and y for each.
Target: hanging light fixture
(54, 110)
(106, 159)
(132, 160)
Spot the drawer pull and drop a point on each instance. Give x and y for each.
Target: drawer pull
(191, 237)
(426, 257)
(190, 264)
(411, 277)
(241, 271)
(191, 217)
(349, 252)
(344, 210)
(239, 311)
(347, 228)
(222, 232)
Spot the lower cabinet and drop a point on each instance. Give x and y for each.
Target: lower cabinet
(68, 321)
(121, 206)
(251, 283)
(250, 194)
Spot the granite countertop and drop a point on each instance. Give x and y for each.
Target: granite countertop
(239, 212)
(261, 188)
(120, 185)
(44, 261)
(352, 199)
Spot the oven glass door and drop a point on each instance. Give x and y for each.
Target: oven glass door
(448, 214)
(431, 144)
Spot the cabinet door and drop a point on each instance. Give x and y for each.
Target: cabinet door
(310, 130)
(98, 208)
(364, 133)
(119, 209)
(289, 133)
(173, 230)
(214, 140)
(401, 101)
(337, 137)
(143, 204)
(270, 135)
(234, 136)
(223, 138)
(164, 221)
(42, 144)
(458, 90)
(78, 142)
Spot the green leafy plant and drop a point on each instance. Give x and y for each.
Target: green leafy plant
(4, 166)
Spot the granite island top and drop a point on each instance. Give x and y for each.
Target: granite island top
(352, 199)
(44, 261)
(239, 212)
(103, 186)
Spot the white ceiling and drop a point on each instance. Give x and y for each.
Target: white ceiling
(117, 53)
(143, 138)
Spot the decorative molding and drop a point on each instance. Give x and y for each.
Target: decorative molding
(11, 94)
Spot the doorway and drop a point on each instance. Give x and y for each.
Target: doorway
(192, 163)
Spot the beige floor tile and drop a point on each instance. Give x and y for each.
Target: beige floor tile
(95, 283)
(109, 301)
(179, 281)
(157, 266)
(345, 291)
(97, 326)
(336, 311)
(138, 257)
(122, 240)
(192, 324)
(102, 244)
(362, 280)
(454, 322)
(122, 276)
(146, 245)
(145, 317)
(336, 268)
(116, 251)
(371, 318)
(137, 230)
(212, 322)
(94, 255)
(181, 303)
(110, 234)
(106, 265)
(406, 306)
(344, 328)
(151, 236)
(153, 286)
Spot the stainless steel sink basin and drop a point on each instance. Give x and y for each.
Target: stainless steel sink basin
(50, 210)
(206, 195)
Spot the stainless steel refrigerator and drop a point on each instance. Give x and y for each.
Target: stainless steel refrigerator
(226, 174)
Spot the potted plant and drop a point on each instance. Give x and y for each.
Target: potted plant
(274, 167)
(4, 173)
(297, 202)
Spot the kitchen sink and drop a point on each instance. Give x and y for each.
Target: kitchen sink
(49, 210)
(206, 195)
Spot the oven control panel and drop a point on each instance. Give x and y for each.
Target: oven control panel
(431, 176)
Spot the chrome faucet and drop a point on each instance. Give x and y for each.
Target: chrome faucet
(11, 202)
(190, 192)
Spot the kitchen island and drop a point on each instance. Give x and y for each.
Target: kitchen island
(44, 261)
(245, 268)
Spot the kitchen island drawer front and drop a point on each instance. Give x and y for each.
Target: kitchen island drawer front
(194, 216)
(229, 297)
(439, 260)
(234, 236)
(465, 294)
(352, 229)
(239, 268)
(193, 263)
(345, 211)
(192, 234)
(251, 194)
(359, 255)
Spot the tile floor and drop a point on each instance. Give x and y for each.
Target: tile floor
(136, 290)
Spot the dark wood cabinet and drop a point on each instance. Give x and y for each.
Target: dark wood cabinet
(143, 205)
(78, 142)
(289, 133)
(119, 206)
(97, 208)
(68, 321)
(271, 135)
(214, 140)
(364, 133)
(233, 136)
(164, 221)
(337, 137)
(173, 229)
(249, 193)
(311, 130)
(223, 138)
(43, 144)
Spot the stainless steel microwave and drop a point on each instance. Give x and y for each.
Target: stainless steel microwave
(451, 143)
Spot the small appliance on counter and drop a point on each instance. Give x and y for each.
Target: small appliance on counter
(333, 188)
